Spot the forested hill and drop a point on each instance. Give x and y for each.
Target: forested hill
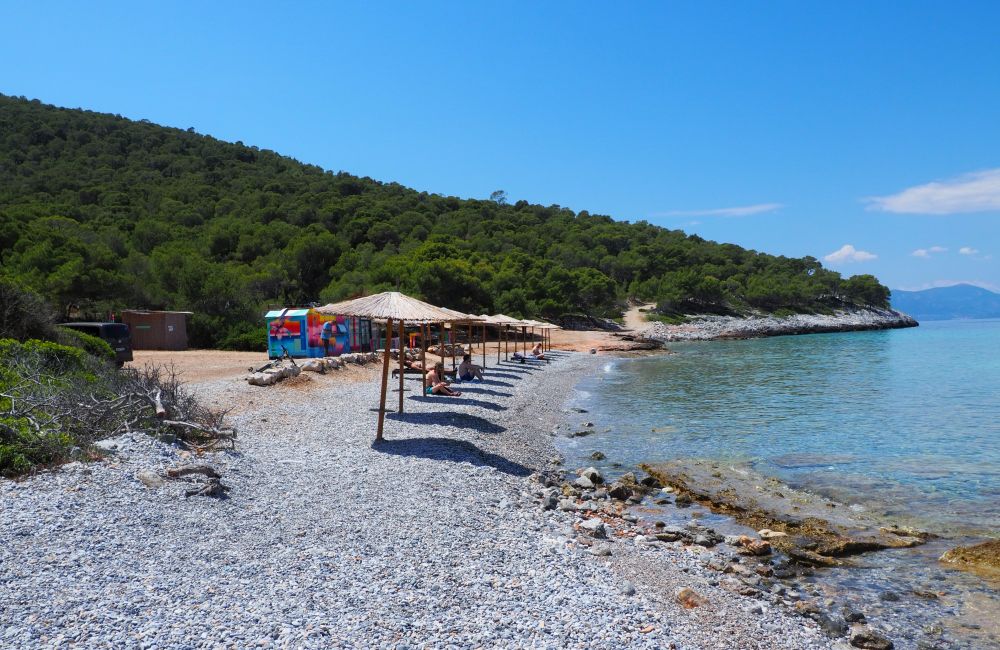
(105, 213)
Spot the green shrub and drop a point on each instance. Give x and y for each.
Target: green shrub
(24, 314)
(246, 338)
(51, 356)
(92, 345)
(669, 319)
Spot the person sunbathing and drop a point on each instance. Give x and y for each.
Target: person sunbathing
(410, 368)
(436, 385)
(537, 352)
(467, 371)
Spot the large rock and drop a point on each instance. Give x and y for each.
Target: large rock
(689, 598)
(864, 637)
(567, 505)
(595, 528)
(592, 474)
(832, 624)
(619, 491)
(150, 479)
(983, 557)
(584, 483)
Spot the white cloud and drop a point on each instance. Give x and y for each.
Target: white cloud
(967, 250)
(848, 253)
(927, 252)
(739, 211)
(975, 192)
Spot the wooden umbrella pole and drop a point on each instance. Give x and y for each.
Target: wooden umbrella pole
(423, 359)
(402, 366)
(451, 342)
(470, 338)
(385, 381)
(506, 342)
(498, 345)
(524, 340)
(484, 345)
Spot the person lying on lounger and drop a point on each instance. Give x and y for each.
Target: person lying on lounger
(467, 371)
(436, 384)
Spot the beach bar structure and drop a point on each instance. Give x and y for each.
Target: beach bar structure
(157, 330)
(394, 309)
(298, 332)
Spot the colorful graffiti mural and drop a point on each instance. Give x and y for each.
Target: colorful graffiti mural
(299, 332)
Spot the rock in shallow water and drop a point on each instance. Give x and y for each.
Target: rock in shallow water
(864, 637)
(983, 557)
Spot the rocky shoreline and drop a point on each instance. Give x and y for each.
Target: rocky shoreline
(711, 327)
(443, 535)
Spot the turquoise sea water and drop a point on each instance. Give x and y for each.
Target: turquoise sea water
(901, 422)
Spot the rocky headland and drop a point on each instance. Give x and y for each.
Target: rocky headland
(712, 327)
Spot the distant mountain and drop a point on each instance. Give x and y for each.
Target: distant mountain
(948, 303)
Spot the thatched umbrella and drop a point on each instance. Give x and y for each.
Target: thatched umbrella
(390, 306)
(546, 329)
(507, 322)
(468, 319)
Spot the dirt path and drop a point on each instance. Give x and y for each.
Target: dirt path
(635, 319)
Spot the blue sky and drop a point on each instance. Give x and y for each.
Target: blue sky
(862, 132)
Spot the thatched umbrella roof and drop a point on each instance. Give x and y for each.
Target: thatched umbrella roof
(507, 320)
(463, 318)
(391, 305)
(542, 324)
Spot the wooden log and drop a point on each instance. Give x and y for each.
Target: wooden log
(158, 405)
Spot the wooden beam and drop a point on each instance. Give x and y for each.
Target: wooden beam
(385, 380)
(484, 345)
(402, 333)
(451, 342)
(423, 359)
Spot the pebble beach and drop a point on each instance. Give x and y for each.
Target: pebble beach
(436, 537)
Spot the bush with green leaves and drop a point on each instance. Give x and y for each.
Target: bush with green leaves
(92, 345)
(56, 400)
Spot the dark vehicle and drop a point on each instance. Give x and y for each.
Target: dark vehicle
(114, 334)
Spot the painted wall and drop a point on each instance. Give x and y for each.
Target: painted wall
(299, 332)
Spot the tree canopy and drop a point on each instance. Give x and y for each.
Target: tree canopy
(102, 213)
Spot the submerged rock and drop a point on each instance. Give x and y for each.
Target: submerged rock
(809, 529)
(983, 557)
